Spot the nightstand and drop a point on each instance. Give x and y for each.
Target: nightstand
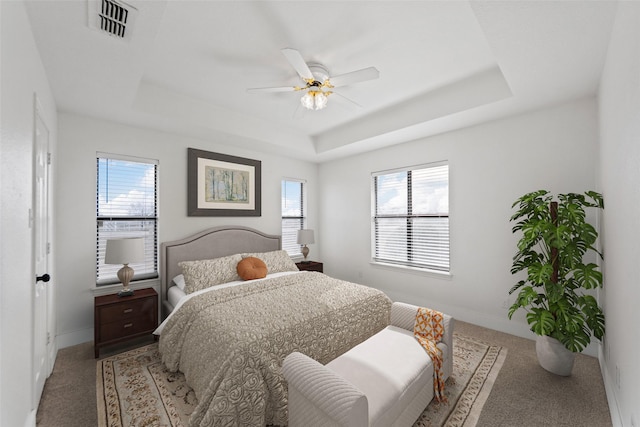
(119, 319)
(310, 266)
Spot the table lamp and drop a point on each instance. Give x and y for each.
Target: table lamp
(124, 251)
(305, 237)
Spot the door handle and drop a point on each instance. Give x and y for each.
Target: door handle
(44, 278)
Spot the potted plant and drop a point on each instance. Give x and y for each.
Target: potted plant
(555, 239)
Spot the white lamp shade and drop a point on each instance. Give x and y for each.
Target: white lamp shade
(124, 251)
(305, 237)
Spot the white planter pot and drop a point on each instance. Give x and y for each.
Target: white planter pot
(553, 356)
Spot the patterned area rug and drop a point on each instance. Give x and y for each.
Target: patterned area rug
(135, 389)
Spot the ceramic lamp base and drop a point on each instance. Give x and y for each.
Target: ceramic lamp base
(125, 274)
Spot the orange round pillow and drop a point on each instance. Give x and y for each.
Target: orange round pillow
(252, 268)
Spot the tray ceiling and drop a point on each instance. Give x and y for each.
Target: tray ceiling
(443, 65)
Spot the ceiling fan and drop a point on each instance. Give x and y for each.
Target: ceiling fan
(318, 84)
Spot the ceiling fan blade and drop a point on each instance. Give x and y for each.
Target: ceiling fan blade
(298, 63)
(299, 113)
(348, 99)
(365, 74)
(273, 89)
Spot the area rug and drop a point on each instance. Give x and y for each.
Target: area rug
(135, 389)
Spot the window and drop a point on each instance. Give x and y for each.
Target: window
(293, 214)
(127, 206)
(410, 223)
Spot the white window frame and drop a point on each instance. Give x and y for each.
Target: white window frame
(439, 263)
(106, 274)
(289, 242)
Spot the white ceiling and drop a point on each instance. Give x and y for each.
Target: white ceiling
(443, 65)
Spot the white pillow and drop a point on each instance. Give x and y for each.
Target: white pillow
(277, 261)
(205, 273)
(179, 281)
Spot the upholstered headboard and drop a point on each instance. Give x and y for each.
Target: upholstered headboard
(212, 243)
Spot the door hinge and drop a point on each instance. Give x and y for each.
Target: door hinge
(48, 338)
(48, 158)
(48, 248)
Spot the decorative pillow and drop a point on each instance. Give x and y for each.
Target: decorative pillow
(179, 281)
(252, 268)
(276, 261)
(203, 274)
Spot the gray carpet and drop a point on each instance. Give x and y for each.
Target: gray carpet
(526, 395)
(523, 395)
(69, 397)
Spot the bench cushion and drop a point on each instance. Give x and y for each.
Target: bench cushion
(390, 368)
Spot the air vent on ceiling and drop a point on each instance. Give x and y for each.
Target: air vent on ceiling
(112, 17)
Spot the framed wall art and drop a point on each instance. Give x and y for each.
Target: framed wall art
(222, 185)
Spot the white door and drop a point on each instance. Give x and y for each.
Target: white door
(41, 255)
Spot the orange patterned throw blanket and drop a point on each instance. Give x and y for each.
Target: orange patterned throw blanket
(428, 330)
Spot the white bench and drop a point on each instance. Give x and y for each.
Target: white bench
(385, 381)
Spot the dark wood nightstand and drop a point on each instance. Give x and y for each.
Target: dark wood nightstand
(310, 266)
(119, 319)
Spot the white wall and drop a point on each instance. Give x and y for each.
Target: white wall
(79, 139)
(23, 75)
(620, 183)
(490, 166)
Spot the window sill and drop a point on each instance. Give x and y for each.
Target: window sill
(414, 270)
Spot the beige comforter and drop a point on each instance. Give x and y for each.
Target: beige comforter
(230, 343)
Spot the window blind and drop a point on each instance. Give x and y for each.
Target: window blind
(411, 217)
(293, 215)
(126, 207)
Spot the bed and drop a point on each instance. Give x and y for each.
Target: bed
(229, 340)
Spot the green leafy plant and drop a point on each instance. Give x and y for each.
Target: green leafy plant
(555, 239)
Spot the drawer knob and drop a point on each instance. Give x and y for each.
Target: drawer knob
(128, 325)
(127, 310)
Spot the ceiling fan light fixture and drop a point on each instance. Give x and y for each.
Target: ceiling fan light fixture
(307, 101)
(321, 100)
(314, 99)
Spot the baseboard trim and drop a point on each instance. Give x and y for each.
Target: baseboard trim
(74, 338)
(609, 387)
(31, 419)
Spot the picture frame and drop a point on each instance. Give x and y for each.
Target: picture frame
(223, 185)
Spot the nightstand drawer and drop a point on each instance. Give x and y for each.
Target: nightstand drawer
(124, 327)
(126, 309)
